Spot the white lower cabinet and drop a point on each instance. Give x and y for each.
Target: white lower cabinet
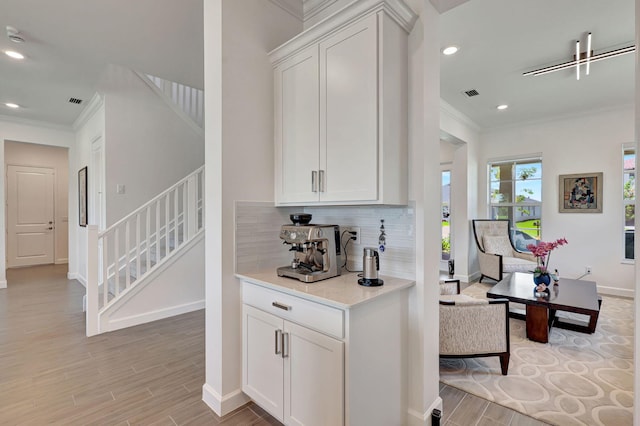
(293, 372)
(313, 363)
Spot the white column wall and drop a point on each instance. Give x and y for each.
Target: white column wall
(636, 397)
(424, 190)
(29, 132)
(239, 151)
(91, 129)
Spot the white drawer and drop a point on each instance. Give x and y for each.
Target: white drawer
(323, 318)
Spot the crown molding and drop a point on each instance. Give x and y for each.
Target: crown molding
(293, 7)
(313, 7)
(398, 10)
(94, 104)
(35, 123)
(447, 109)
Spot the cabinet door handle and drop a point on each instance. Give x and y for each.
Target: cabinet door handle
(314, 181)
(278, 342)
(281, 306)
(321, 179)
(285, 345)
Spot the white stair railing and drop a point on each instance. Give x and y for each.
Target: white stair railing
(189, 99)
(123, 254)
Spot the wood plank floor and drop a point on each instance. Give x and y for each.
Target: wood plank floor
(51, 373)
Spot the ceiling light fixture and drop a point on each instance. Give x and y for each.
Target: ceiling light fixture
(502, 107)
(13, 54)
(14, 35)
(578, 60)
(450, 50)
(12, 105)
(579, 57)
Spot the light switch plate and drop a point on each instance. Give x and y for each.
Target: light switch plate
(119, 189)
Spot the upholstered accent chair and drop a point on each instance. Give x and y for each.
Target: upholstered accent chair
(496, 253)
(471, 328)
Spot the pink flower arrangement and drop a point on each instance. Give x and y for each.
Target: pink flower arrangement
(542, 252)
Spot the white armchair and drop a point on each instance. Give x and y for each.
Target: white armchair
(471, 328)
(496, 252)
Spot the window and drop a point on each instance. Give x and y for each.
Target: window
(515, 193)
(629, 199)
(446, 214)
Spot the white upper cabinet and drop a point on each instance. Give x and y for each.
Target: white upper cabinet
(341, 109)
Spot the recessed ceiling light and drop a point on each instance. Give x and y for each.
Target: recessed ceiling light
(450, 50)
(12, 105)
(13, 54)
(503, 106)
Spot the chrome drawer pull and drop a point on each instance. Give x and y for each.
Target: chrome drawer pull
(281, 306)
(278, 341)
(285, 345)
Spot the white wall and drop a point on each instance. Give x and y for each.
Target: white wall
(29, 132)
(424, 185)
(239, 166)
(148, 147)
(585, 144)
(90, 127)
(33, 155)
(459, 129)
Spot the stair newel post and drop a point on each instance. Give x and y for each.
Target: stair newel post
(92, 281)
(192, 211)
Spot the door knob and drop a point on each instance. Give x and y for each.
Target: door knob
(51, 227)
(50, 222)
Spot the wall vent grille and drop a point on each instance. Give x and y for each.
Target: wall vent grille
(75, 101)
(471, 92)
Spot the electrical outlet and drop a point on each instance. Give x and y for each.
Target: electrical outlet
(355, 229)
(587, 270)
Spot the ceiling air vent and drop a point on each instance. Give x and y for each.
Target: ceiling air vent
(472, 92)
(75, 101)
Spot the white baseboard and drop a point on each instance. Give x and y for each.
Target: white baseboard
(153, 315)
(3, 284)
(614, 291)
(61, 261)
(223, 405)
(72, 276)
(424, 419)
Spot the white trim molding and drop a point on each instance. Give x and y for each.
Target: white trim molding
(3, 284)
(292, 7)
(223, 405)
(424, 419)
(94, 105)
(402, 14)
(313, 7)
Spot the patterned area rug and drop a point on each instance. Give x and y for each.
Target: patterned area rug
(575, 379)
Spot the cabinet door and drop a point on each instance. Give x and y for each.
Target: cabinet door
(297, 127)
(349, 113)
(314, 378)
(262, 370)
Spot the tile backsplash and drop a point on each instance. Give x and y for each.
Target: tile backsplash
(258, 245)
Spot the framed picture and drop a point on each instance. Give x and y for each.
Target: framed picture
(581, 193)
(82, 196)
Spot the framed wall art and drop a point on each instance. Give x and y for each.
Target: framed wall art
(82, 196)
(581, 193)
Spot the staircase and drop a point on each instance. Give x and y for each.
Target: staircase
(188, 100)
(132, 253)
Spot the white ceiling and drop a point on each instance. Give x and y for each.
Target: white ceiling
(69, 42)
(501, 39)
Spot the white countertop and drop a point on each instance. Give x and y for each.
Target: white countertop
(342, 291)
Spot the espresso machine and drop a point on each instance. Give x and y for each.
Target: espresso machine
(316, 249)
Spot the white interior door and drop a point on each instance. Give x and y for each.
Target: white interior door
(30, 216)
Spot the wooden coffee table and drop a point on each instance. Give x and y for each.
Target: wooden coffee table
(575, 296)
